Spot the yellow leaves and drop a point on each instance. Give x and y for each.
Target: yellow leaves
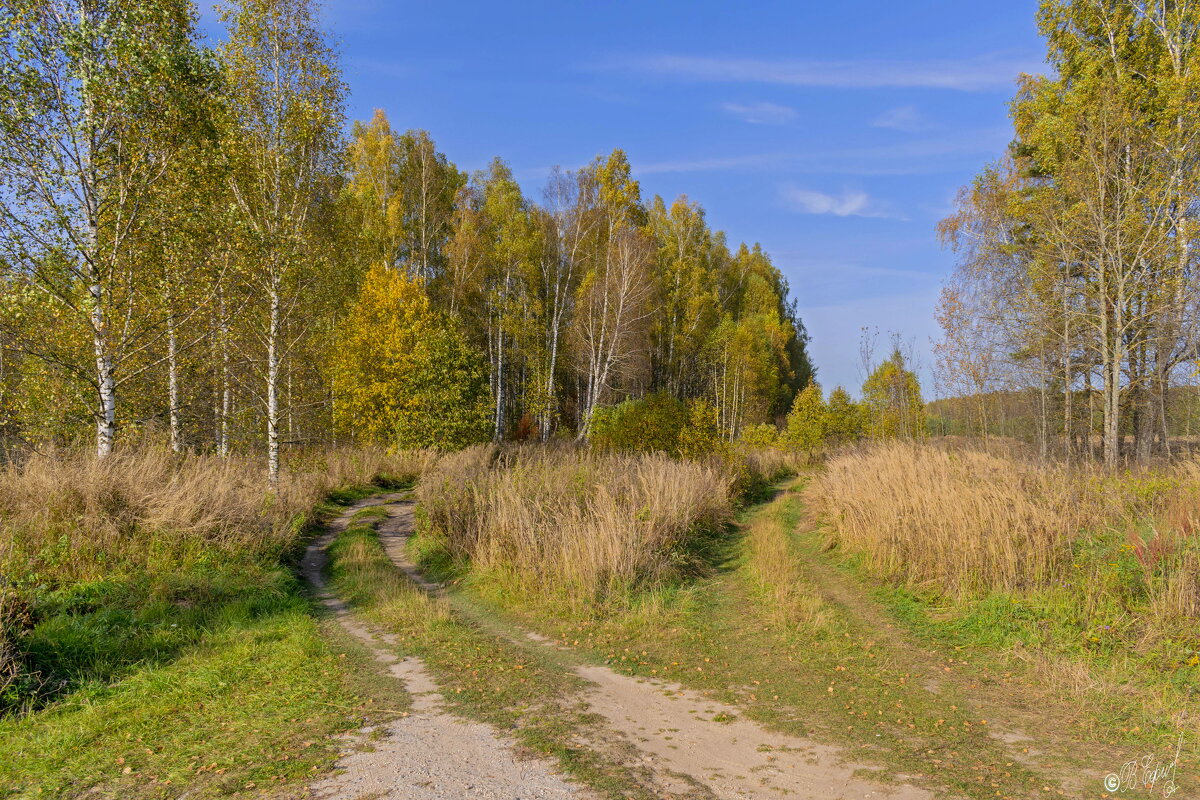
(401, 373)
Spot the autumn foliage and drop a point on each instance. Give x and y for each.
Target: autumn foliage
(403, 374)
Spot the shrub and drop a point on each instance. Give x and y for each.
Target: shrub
(808, 420)
(701, 436)
(651, 424)
(759, 436)
(845, 421)
(657, 423)
(404, 375)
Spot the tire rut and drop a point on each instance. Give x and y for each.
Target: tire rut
(1014, 716)
(429, 754)
(682, 733)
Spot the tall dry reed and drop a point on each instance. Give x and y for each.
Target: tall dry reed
(769, 464)
(957, 520)
(574, 525)
(67, 515)
(966, 522)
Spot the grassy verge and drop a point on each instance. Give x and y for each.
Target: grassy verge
(1119, 697)
(1082, 585)
(181, 655)
(248, 707)
(526, 691)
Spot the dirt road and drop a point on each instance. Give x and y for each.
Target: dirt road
(691, 745)
(429, 754)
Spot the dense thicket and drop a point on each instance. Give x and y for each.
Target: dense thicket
(185, 234)
(1078, 279)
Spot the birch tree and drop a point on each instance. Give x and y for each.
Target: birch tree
(90, 103)
(286, 96)
(573, 217)
(1090, 240)
(614, 299)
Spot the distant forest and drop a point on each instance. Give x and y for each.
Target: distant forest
(1033, 418)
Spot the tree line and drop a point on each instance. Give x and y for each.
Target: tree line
(1077, 281)
(192, 242)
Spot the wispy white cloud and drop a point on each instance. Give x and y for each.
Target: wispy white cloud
(847, 204)
(968, 75)
(918, 156)
(717, 164)
(905, 118)
(761, 113)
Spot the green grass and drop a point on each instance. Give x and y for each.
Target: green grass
(528, 691)
(215, 675)
(99, 631)
(250, 701)
(1132, 697)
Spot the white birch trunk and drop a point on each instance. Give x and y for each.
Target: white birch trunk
(273, 343)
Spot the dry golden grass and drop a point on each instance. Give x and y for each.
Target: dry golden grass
(575, 525)
(772, 463)
(961, 520)
(68, 515)
(775, 569)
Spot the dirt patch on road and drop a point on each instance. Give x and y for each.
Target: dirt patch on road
(732, 756)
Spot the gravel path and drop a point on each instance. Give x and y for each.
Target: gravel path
(429, 754)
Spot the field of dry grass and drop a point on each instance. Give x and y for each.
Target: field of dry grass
(958, 520)
(573, 525)
(69, 516)
(1117, 554)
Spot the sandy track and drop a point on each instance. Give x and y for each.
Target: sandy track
(676, 733)
(429, 754)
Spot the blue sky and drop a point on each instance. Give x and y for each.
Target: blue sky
(836, 134)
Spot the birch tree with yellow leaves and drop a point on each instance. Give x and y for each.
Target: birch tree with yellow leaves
(286, 96)
(1087, 235)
